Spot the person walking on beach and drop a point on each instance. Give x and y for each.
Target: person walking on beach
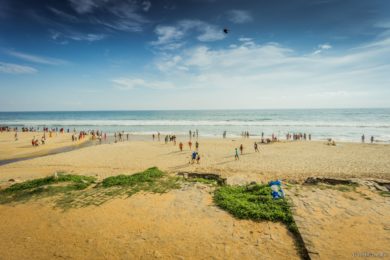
(256, 147)
(236, 157)
(16, 136)
(181, 146)
(153, 136)
(241, 148)
(190, 134)
(372, 139)
(190, 144)
(363, 138)
(158, 136)
(197, 145)
(193, 156)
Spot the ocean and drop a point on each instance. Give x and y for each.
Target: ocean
(340, 124)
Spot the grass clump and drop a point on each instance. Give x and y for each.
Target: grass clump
(255, 203)
(384, 193)
(150, 175)
(47, 186)
(152, 179)
(204, 181)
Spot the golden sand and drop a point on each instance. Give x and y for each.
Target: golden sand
(284, 160)
(11, 148)
(184, 224)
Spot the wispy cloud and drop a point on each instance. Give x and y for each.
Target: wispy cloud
(131, 83)
(37, 59)
(173, 36)
(63, 15)
(322, 47)
(75, 36)
(84, 6)
(267, 70)
(239, 16)
(11, 68)
(119, 15)
(146, 5)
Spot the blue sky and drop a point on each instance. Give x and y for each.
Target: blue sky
(128, 54)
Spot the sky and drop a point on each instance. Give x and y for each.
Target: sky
(167, 54)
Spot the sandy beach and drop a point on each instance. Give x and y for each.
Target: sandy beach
(281, 160)
(184, 223)
(11, 148)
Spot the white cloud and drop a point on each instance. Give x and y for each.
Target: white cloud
(131, 83)
(76, 36)
(239, 16)
(245, 39)
(171, 37)
(11, 68)
(247, 70)
(322, 47)
(168, 34)
(36, 59)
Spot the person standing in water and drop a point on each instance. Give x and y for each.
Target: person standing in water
(363, 138)
(372, 139)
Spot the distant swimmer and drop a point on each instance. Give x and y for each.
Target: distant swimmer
(226, 30)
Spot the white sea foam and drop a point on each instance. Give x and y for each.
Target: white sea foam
(193, 123)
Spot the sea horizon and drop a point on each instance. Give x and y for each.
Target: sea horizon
(342, 124)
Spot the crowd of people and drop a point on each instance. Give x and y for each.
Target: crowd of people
(195, 156)
(298, 136)
(35, 141)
